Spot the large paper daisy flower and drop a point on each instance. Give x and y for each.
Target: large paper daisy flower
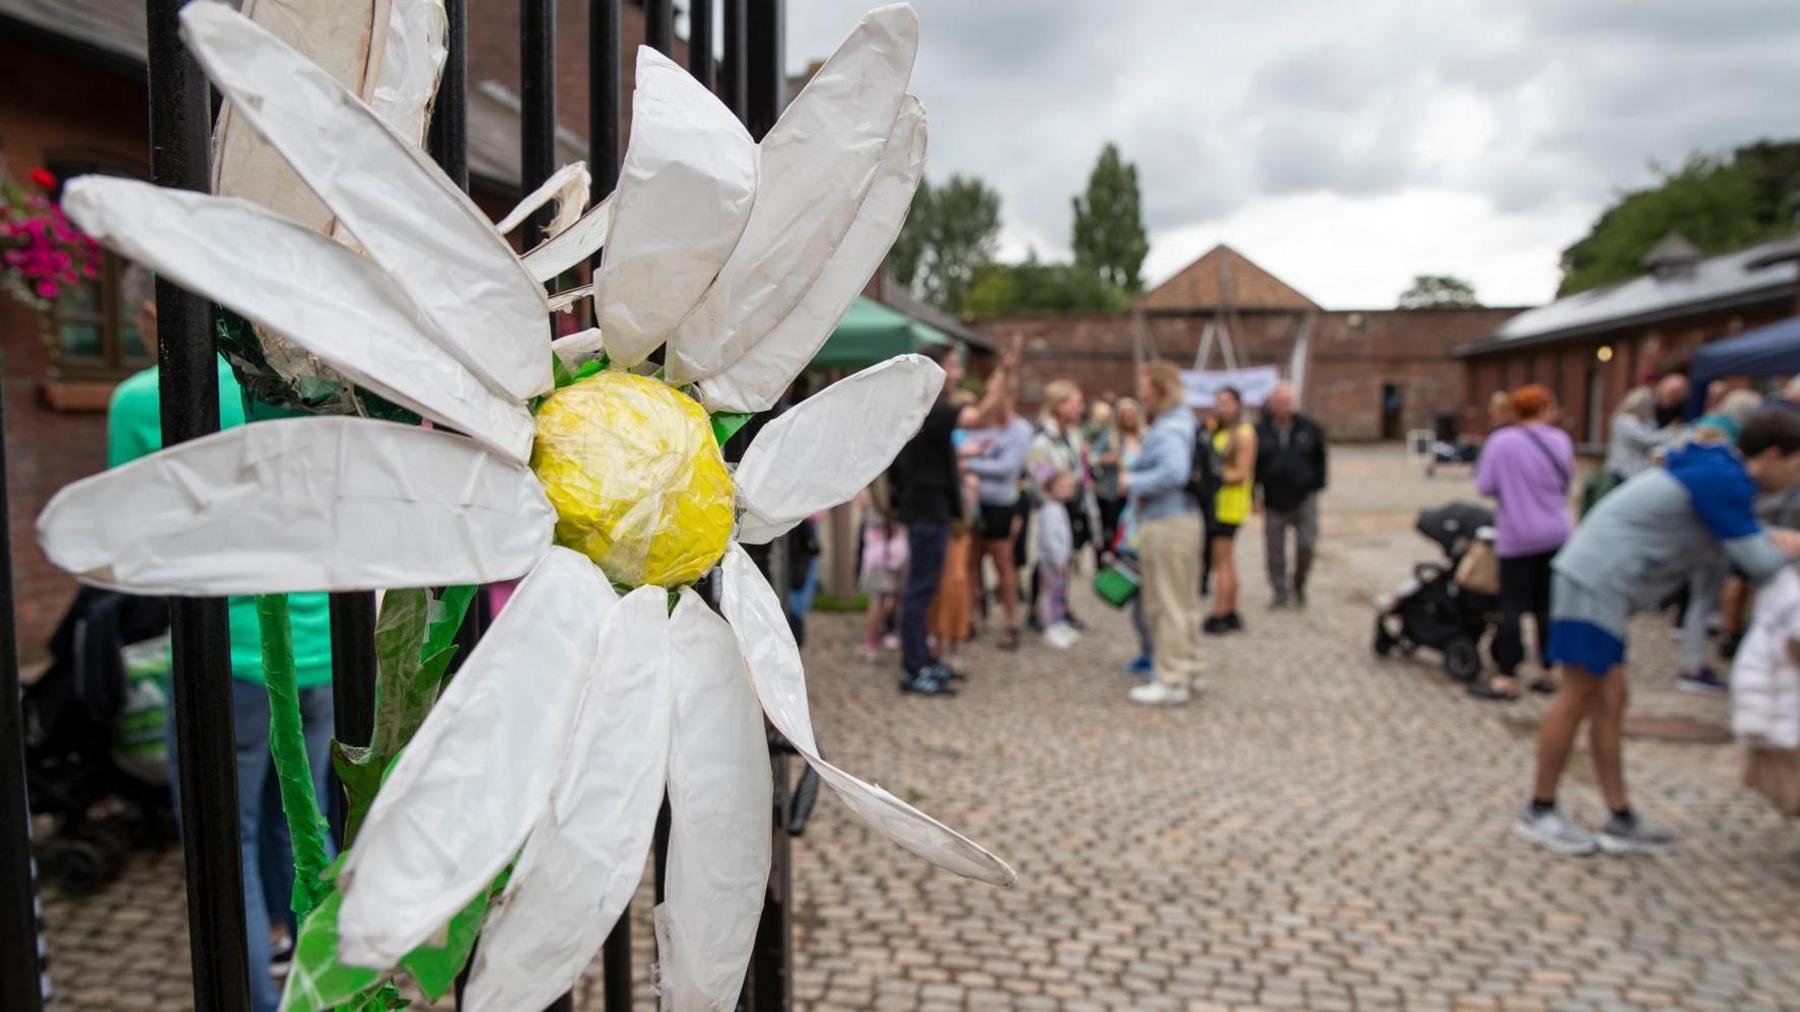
(605, 681)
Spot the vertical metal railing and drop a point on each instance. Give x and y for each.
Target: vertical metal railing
(537, 104)
(206, 767)
(700, 43)
(21, 969)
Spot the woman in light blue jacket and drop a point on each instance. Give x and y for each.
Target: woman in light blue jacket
(1169, 537)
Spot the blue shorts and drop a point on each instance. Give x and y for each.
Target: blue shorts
(1587, 626)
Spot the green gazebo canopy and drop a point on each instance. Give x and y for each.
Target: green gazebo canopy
(871, 332)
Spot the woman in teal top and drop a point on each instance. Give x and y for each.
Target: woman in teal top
(134, 430)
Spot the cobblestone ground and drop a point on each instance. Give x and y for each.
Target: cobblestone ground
(1320, 829)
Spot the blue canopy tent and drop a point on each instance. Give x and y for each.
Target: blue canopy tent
(1773, 350)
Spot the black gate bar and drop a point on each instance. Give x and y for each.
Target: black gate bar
(537, 105)
(733, 86)
(449, 137)
(20, 969)
(700, 42)
(352, 687)
(659, 26)
(206, 766)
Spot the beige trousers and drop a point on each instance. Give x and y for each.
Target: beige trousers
(1169, 549)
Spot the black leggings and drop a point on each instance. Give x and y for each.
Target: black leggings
(1524, 590)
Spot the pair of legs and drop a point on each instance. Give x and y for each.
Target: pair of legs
(1303, 520)
(1223, 552)
(881, 608)
(1524, 590)
(1170, 551)
(926, 545)
(1054, 604)
(1599, 700)
(1705, 590)
(265, 851)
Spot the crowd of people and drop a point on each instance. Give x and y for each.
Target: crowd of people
(1685, 515)
(986, 517)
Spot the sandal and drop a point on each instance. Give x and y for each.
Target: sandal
(1544, 686)
(1486, 690)
(1009, 640)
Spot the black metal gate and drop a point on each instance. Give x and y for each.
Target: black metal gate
(750, 80)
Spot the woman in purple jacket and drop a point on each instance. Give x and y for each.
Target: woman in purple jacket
(1527, 467)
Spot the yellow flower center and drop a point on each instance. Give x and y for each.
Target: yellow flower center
(638, 483)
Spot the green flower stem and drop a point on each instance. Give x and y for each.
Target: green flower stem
(287, 744)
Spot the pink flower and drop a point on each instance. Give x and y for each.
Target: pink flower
(46, 289)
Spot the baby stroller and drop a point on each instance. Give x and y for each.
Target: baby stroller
(94, 732)
(1431, 609)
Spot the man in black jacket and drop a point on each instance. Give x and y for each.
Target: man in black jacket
(1290, 474)
(927, 496)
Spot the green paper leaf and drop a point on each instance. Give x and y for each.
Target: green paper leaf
(565, 376)
(318, 981)
(726, 423)
(415, 640)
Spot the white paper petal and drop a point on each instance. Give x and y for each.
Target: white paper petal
(832, 445)
(301, 504)
(414, 223)
(683, 199)
(565, 300)
(577, 349)
(584, 857)
(479, 773)
(815, 165)
(563, 251)
(755, 382)
(335, 36)
(768, 648)
(568, 186)
(292, 280)
(412, 60)
(720, 816)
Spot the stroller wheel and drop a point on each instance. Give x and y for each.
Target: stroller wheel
(82, 867)
(1462, 659)
(1384, 640)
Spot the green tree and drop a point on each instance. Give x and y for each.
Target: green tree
(1036, 287)
(1110, 238)
(905, 257)
(1439, 291)
(1718, 203)
(951, 231)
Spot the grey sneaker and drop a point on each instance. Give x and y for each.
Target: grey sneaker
(1633, 836)
(1551, 831)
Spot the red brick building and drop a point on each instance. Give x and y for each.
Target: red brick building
(1591, 348)
(1365, 374)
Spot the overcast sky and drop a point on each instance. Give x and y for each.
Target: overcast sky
(1346, 145)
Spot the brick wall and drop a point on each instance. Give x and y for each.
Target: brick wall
(494, 55)
(1574, 373)
(47, 113)
(1352, 355)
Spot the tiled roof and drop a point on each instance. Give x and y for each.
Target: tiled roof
(116, 26)
(1223, 278)
(1716, 282)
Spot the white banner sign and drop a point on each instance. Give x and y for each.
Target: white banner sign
(1255, 383)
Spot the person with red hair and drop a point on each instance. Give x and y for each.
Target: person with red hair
(1528, 468)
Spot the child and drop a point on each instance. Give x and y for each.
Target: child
(953, 609)
(1765, 694)
(1636, 548)
(884, 555)
(1055, 549)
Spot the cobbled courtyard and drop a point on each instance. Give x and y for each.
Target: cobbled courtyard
(1319, 829)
